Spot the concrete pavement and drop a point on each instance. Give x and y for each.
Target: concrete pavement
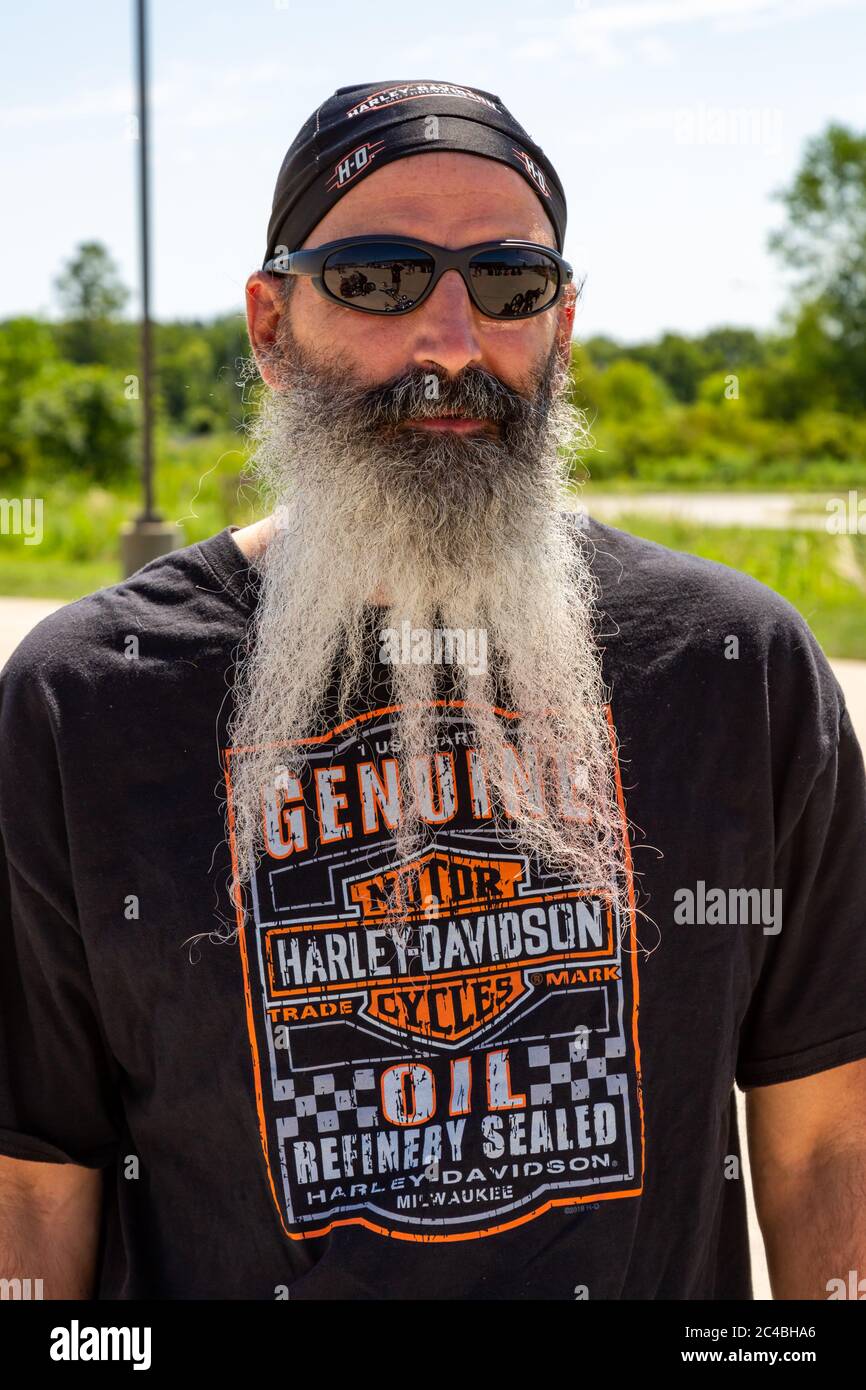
(774, 510)
(17, 616)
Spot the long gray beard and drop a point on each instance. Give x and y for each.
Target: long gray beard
(463, 532)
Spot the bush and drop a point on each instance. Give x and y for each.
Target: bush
(827, 433)
(26, 349)
(629, 389)
(718, 389)
(76, 421)
(202, 420)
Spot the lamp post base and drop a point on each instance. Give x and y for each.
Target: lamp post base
(143, 541)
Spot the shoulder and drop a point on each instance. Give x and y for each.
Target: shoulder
(651, 574)
(670, 590)
(180, 600)
(672, 613)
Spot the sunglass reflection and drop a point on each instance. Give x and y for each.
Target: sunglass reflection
(504, 285)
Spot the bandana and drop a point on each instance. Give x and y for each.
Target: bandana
(361, 128)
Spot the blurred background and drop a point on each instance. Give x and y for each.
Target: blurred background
(714, 157)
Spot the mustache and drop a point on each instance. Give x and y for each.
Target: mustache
(425, 393)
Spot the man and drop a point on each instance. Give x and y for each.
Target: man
(396, 888)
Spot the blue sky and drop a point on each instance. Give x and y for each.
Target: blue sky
(671, 123)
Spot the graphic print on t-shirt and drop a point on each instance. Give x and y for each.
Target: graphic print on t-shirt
(455, 1079)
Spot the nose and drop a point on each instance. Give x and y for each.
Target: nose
(445, 331)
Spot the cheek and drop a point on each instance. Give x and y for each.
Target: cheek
(334, 334)
(522, 337)
(373, 349)
(513, 350)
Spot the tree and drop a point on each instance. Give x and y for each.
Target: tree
(727, 348)
(602, 351)
(26, 349)
(626, 389)
(75, 422)
(92, 296)
(677, 360)
(824, 242)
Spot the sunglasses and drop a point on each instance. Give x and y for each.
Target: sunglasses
(389, 275)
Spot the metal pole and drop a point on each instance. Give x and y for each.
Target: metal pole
(144, 211)
(148, 536)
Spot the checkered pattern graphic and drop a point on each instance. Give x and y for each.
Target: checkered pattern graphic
(562, 1070)
(336, 1111)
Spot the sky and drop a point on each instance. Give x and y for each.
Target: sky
(672, 123)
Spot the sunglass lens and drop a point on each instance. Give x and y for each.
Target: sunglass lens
(512, 281)
(386, 278)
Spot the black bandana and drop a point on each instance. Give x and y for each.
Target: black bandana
(361, 128)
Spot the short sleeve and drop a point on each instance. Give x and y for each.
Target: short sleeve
(58, 1093)
(808, 1008)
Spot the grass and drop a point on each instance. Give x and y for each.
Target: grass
(820, 488)
(197, 485)
(47, 578)
(744, 474)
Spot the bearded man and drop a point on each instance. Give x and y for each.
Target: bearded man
(395, 889)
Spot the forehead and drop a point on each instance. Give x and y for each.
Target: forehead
(440, 196)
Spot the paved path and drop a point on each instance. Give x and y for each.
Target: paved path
(18, 615)
(775, 510)
(851, 675)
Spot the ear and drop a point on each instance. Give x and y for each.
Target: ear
(264, 309)
(565, 323)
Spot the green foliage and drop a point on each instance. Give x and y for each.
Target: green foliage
(824, 242)
(678, 361)
(758, 425)
(734, 407)
(198, 372)
(89, 286)
(727, 349)
(780, 392)
(76, 422)
(186, 376)
(602, 351)
(830, 434)
(92, 296)
(628, 389)
(682, 363)
(719, 387)
(26, 347)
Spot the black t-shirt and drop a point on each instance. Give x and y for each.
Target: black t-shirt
(526, 1098)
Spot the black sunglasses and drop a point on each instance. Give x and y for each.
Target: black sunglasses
(390, 275)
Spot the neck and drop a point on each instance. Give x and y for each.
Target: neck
(253, 540)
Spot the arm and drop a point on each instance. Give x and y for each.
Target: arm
(807, 1150)
(49, 1225)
